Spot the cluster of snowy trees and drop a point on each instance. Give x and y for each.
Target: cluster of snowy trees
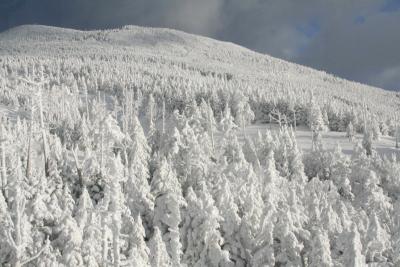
(131, 177)
(276, 91)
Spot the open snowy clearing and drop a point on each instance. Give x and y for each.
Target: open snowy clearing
(385, 146)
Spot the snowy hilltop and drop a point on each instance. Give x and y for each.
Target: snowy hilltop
(154, 147)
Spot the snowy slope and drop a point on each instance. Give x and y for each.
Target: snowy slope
(164, 46)
(194, 61)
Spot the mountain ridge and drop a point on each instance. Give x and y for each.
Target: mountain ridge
(24, 32)
(187, 51)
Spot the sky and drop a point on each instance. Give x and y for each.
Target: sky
(355, 39)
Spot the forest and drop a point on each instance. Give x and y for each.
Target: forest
(109, 163)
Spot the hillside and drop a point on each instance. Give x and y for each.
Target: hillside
(153, 147)
(187, 57)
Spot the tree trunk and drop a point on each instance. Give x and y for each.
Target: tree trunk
(210, 129)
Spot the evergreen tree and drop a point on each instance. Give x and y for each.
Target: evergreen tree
(321, 254)
(263, 252)
(367, 141)
(139, 252)
(158, 252)
(350, 132)
(230, 226)
(137, 189)
(315, 120)
(377, 240)
(340, 173)
(84, 209)
(202, 239)
(167, 214)
(353, 253)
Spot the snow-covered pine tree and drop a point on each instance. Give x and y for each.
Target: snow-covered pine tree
(158, 253)
(168, 203)
(230, 226)
(137, 188)
(263, 251)
(378, 241)
(340, 173)
(321, 253)
(367, 141)
(84, 209)
(250, 154)
(139, 253)
(315, 119)
(208, 120)
(150, 114)
(19, 235)
(5, 232)
(202, 239)
(350, 133)
(352, 255)
(69, 240)
(289, 251)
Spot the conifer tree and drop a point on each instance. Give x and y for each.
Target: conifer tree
(315, 120)
(230, 226)
(158, 252)
(340, 173)
(20, 238)
(137, 189)
(202, 239)
(350, 132)
(321, 253)
(84, 209)
(353, 252)
(139, 252)
(167, 214)
(377, 240)
(263, 251)
(367, 141)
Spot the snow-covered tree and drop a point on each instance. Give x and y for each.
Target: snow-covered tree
(139, 252)
(340, 172)
(350, 133)
(84, 209)
(167, 214)
(315, 119)
(353, 252)
(367, 141)
(202, 239)
(158, 253)
(137, 188)
(378, 240)
(321, 253)
(230, 226)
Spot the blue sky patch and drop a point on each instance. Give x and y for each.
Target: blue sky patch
(310, 29)
(359, 20)
(391, 6)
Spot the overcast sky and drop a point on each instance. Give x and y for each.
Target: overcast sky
(355, 39)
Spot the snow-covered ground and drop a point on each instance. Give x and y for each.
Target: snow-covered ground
(386, 145)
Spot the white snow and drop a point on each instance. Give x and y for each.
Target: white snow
(386, 145)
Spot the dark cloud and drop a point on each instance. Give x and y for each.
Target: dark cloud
(358, 39)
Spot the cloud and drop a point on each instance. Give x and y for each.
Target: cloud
(388, 77)
(357, 39)
(203, 17)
